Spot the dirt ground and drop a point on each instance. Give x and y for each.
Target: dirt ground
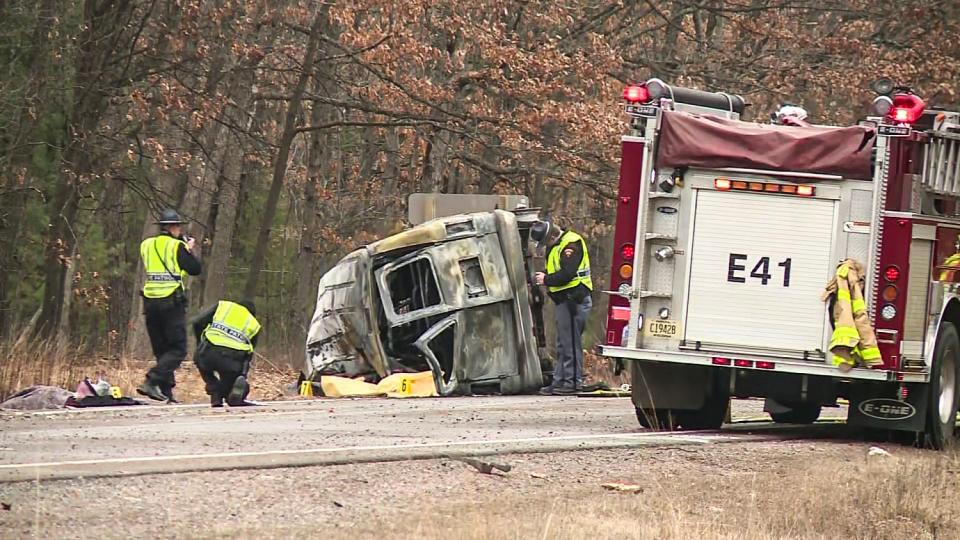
(789, 489)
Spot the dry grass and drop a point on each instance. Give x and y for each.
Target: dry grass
(40, 363)
(597, 368)
(909, 497)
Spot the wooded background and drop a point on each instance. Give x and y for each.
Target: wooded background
(290, 132)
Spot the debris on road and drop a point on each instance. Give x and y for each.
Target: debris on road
(37, 398)
(486, 467)
(98, 394)
(623, 488)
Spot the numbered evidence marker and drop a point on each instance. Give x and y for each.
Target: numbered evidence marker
(406, 385)
(737, 270)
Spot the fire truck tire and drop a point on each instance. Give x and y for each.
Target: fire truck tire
(659, 419)
(710, 416)
(942, 410)
(801, 414)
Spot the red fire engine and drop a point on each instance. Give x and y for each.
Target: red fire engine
(727, 233)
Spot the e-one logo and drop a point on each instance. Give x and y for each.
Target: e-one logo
(887, 409)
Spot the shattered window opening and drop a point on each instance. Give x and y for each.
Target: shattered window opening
(459, 228)
(473, 277)
(413, 287)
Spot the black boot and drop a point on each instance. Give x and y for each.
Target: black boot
(238, 392)
(152, 391)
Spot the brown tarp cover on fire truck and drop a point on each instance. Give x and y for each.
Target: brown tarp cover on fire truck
(705, 141)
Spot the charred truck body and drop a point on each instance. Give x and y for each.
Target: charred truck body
(727, 233)
(450, 296)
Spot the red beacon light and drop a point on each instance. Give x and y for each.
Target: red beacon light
(636, 93)
(905, 108)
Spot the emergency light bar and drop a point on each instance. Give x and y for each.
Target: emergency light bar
(726, 184)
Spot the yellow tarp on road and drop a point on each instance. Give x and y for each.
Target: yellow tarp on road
(396, 385)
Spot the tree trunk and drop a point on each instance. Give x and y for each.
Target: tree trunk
(118, 281)
(97, 44)
(228, 198)
(280, 164)
(318, 155)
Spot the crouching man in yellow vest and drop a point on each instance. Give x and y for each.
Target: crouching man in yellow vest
(568, 282)
(226, 335)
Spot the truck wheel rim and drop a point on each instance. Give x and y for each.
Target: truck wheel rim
(948, 380)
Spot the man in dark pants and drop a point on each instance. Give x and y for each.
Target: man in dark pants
(568, 281)
(167, 259)
(226, 335)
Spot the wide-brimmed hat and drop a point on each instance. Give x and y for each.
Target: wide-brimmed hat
(170, 217)
(540, 230)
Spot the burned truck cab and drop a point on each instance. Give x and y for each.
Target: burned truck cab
(450, 296)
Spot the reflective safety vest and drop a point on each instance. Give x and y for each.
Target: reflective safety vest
(233, 326)
(853, 341)
(583, 271)
(164, 275)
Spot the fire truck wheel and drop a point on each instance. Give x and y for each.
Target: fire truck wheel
(710, 416)
(801, 414)
(942, 411)
(659, 419)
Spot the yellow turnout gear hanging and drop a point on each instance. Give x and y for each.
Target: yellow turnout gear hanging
(853, 341)
(164, 275)
(583, 271)
(233, 326)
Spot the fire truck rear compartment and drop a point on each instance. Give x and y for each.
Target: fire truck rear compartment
(758, 264)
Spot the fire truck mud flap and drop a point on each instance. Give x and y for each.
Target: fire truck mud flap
(688, 397)
(869, 410)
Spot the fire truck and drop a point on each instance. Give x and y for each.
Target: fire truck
(727, 233)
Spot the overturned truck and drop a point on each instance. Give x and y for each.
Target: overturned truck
(452, 296)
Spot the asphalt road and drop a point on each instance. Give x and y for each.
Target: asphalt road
(331, 431)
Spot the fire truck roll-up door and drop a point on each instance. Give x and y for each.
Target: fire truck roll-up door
(758, 266)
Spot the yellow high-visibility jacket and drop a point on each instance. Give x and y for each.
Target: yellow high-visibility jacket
(853, 341)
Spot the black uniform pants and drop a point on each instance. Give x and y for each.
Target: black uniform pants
(167, 328)
(219, 367)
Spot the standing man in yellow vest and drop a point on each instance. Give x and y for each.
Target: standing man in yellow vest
(226, 335)
(167, 259)
(568, 281)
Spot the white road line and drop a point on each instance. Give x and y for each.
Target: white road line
(338, 456)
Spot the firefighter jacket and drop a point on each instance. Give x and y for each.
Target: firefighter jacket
(582, 275)
(232, 326)
(853, 341)
(952, 261)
